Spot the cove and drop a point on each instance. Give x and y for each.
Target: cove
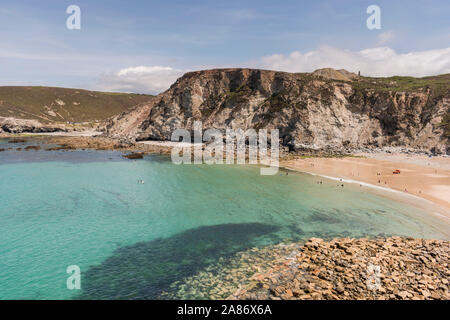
(132, 240)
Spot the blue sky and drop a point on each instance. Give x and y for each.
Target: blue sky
(150, 43)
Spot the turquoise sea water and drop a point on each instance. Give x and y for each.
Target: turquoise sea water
(132, 240)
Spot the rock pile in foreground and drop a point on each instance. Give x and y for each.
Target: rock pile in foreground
(392, 268)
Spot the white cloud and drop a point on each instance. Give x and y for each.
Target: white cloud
(141, 79)
(381, 61)
(385, 37)
(378, 62)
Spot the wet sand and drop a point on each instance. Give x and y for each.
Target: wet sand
(427, 178)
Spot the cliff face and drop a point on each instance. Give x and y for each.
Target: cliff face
(324, 110)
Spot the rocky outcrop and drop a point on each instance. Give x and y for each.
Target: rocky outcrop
(337, 269)
(329, 73)
(324, 110)
(13, 125)
(349, 269)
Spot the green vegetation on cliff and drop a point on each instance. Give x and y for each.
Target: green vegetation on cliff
(51, 104)
(446, 124)
(438, 84)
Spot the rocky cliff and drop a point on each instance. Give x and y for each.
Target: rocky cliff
(328, 109)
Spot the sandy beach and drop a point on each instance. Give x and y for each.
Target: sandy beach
(421, 176)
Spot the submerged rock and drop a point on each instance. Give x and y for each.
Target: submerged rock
(17, 140)
(134, 155)
(32, 148)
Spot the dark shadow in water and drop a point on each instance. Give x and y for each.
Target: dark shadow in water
(159, 158)
(322, 217)
(145, 269)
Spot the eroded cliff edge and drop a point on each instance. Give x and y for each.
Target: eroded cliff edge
(328, 109)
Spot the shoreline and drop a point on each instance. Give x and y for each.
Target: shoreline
(425, 183)
(365, 184)
(422, 178)
(438, 210)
